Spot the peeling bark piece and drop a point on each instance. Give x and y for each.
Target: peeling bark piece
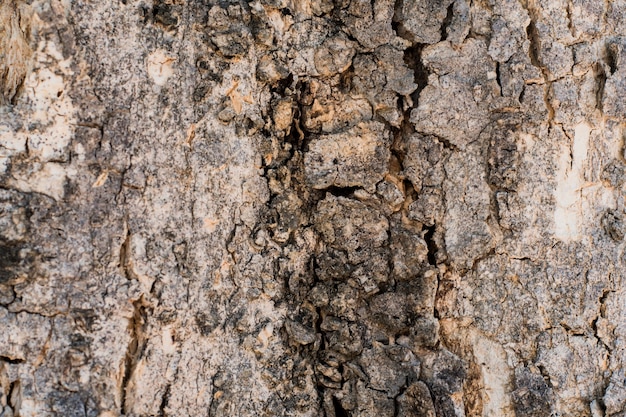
(357, 157)
(333, 116)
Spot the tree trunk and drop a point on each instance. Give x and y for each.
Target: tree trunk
(312, 208)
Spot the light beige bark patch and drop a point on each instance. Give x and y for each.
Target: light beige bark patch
(568, 214)
(160, 66)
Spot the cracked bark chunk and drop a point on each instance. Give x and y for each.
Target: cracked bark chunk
(334, 56)
(416, 401)
(409, 250)
(299, 334)
(424, 161)
(444, 373)
(454, 104)
(421, 20)
(400, 78)
(357, 157)
(614, 90)
(389, 367)
(370, 22)
(427, 209)
(391, 311)
(509, 30)
(531, 397)
(468, 233)
(350, 225)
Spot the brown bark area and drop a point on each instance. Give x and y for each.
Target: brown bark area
(312, 208)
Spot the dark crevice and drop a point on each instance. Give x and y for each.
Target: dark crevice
(612, 57)
(601, 314)
(413, 60)
(603, 298)
(124, 262)
(431, 245)
(534, 55)
(601, 83)
(498, 77)
(342, 191)
(296, 136)
(570, 22)
(339, 410)
(594, 327)
(13, 361)
(445, 142)
(488, 255)
(19, 89)
(396, 22)
(13, 396)
(545, 375)
(533, 51)
(165, 400)
(601, 405)
(281, 86)
(345, 80)
(446, 22)
(572, 331)
(134, 349)
(318, 328)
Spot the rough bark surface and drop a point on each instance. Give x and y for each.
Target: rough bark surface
(312, 208)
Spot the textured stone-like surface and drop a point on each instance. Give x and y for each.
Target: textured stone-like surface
(312, 208)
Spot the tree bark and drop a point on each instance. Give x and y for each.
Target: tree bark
(312, 208)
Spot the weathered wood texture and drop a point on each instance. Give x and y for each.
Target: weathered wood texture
(312, 208)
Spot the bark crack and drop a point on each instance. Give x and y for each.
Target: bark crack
(134, 352)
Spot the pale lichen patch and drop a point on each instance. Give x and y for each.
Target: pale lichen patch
(568, 214)
(51, 119)
(48, 180)
(495, 374)
(160, 66)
